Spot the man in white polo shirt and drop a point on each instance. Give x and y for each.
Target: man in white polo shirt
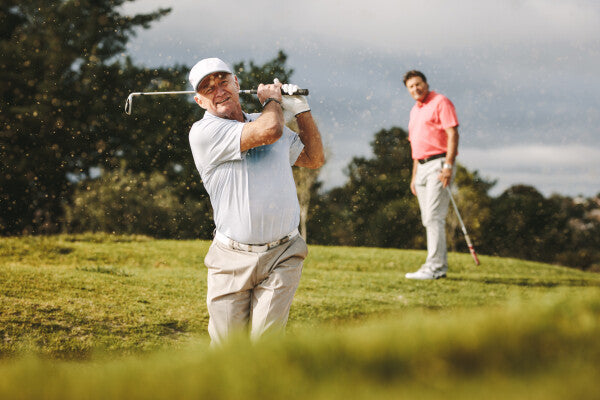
(433, 136)
(255, 261)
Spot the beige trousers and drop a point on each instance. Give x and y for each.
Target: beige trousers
(256, 289)
(433, 202)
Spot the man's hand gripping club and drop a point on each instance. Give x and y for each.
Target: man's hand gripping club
(292, 104)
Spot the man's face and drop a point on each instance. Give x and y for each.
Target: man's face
(218, 94)
(417, 88)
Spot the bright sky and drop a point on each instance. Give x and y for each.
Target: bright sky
(524, 75)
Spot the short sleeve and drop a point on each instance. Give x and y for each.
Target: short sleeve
(214, 141)
(447, 114)
(296, 145)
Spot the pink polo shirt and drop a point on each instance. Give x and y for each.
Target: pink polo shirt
(427, 124)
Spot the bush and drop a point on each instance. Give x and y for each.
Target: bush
(124, 202)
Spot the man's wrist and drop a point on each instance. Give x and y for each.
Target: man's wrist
(302, 112)
(270, 99)
(447, 166)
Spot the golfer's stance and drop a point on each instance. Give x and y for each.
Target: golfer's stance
(245, 162)
(433, 136)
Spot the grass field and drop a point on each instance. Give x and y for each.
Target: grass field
(105, 317)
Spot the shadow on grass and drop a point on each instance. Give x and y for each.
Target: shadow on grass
(529, 282)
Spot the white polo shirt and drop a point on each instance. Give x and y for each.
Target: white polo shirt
(253, 193)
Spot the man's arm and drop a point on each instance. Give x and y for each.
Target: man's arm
(312, 155)
(446, 174)
(267, 128)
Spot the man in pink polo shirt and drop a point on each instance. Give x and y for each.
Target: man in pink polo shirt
(433, 136)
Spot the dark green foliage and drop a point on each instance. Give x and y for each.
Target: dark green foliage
(60, 96)
(140, 203)
(526, 225)
(472, 199)
(376, 208)
(355, 214)
(252, 75)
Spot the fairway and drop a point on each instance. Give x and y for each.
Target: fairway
(102, 316)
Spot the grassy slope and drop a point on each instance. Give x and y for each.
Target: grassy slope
(357, 327)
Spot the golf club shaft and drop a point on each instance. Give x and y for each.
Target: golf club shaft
(129, 101)
(464, 229)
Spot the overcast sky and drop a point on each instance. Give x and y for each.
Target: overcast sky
(524, 75)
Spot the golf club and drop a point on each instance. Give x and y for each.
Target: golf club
(462, 225)
(129, 101)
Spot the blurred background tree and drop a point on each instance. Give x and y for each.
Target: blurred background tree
(125, 202)
(470, 193)
(60, 89)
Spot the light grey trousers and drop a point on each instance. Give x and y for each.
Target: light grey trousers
(433, 202)
(247, 288)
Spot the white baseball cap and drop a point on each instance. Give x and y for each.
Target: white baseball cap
(205, 67)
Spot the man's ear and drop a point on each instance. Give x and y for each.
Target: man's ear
(198, 100)
(237, 83)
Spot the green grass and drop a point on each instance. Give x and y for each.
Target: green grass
(99, 316)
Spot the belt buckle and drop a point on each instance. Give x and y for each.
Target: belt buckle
(274, 244)
(278, 242)
(258, 248)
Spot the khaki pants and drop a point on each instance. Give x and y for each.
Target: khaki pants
(433, 202)
(251, 288)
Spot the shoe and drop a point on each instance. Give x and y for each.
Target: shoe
(425, 274)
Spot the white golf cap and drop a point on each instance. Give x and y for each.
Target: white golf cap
(205, 67)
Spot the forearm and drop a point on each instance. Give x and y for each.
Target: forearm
(313, 155)
(272, 116)
(452, 148)
(414, 169)
(266, 129)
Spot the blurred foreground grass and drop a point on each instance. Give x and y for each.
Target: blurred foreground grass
(97, 316)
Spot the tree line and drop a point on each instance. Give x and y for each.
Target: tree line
(71, 161)
(375, 208)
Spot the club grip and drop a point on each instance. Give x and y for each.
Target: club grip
(299, 92)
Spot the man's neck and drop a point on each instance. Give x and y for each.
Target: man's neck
(237, 115)
(422, 101)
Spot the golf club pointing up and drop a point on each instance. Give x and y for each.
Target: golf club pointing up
(129, 101)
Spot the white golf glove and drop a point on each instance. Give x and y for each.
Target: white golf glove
(292, 104)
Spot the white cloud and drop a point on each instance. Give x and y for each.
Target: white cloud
(551, 169)
(535, 156)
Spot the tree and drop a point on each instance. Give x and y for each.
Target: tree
(470, 193)
(60, 86)
(122, 201)
(306, 180)
(349, 214)
(525, 225)
(252, 75)
(578, 244)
